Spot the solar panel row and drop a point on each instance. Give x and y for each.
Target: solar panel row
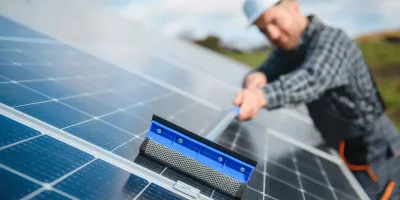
(111, 108)
(42, 167)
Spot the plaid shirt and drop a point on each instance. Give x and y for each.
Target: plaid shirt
(326, 59)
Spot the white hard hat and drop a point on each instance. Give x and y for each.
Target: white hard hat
(255, 8)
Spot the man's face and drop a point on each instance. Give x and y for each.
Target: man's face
(278, 24)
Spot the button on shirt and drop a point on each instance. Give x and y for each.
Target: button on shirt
(326, 62)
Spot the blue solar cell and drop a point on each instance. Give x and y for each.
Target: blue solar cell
(12, 29)
(256, 181)
(45, 70)
(80, 86)
(129, 150)
(118, 81)
(51, 89)
(89, 105)
(316, 189)
(156, 192)
(100, 134)
(48, 194)
(311, 172)
(3, 80)
(43, 158)
(283, 174)
(16, 56)
(139, 95)
(13, 186)
(114, 100)
(55, 113)
(13, 131)
(281, 190)
(101, 180)
(4, 62)
(13, 94)
(17, 73)
(128, 122)
(143, 112)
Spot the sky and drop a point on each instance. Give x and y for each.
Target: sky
(225, 18)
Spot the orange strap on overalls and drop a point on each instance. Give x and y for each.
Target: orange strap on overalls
(356, 167)
(388, 191)
(389, 187)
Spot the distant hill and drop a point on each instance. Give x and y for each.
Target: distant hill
(392, 36)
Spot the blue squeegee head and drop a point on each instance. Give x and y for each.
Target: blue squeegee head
(180, 149)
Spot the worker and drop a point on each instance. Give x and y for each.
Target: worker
(320, 66)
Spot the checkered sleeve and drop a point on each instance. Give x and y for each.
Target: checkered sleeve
(323, 69)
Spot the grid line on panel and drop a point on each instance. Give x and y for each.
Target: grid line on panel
(19, 142)
(89, 148)
(73, 96)
(33, 194)
(326, 178)
(65, 194)
(29, 40)
(298, 174)
(50, 185)
(183, 109)
(301, 174)
(279, 180)
(136, 137)
(265, 157)
(21, 175)
(235, 139)
(93, 117)
(141, 192)
(303, 146)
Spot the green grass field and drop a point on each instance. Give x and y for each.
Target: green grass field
(383, 59)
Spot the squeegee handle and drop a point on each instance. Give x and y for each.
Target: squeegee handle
(221, 126)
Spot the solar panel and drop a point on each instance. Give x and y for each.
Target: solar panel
(74, 120)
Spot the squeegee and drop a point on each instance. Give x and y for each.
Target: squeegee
(200, 157)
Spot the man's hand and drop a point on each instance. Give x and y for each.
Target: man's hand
(250, 101)
(255, 79)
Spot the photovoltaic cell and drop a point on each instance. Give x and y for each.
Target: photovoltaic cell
(12, 131)
(43, 158)
(15, 187)
(128, 122)
(12, 55)
(61, 116)
(284, 175)
(279, 190)
(3, 80)
(88, 105)
(17, 73)
(316, 189)
(16, 95)
(48, 194)
(100, 134)
(101, 180)
(51, 89)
